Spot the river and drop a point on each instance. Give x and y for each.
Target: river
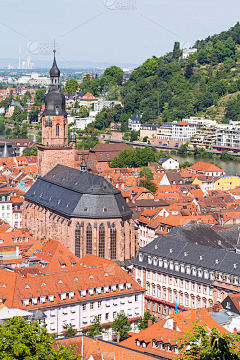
(230, 167)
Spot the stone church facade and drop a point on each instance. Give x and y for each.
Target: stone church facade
(81, 210)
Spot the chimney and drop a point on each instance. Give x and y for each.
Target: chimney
(150, 323)
(174, 325)
(235, 331)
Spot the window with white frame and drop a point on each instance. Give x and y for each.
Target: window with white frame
(52, 326)
(72, 309)
(71, 295)
(34, 301)
(149, 259)
(64, 311)
(42, 299)
(83, 293)
(140, 257)
(159, 292)
(63, 296)
(98, 290)
(50, 298)
(107, 303)
(129, 299)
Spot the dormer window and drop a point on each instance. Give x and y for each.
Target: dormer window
(194, 272)
(144, 345)
(71, 295)
(138, 343)
(149, 259)
(83, 293)
(199, 272)
(51, 298)
(171, 266)
(26, 302)
(90, 292)
(128, 286)
(113, 288)
(106, 289)
(165, 262)
(1, 241)
(98, 290)
(140, 257)
(42, 299)
(120, 287)
(34, 301)
(182, 268)
(63, 296)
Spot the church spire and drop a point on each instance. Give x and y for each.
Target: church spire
(83, 165)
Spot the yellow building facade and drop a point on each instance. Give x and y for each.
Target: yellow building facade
(227, 183)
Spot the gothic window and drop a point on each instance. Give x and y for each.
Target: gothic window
(57, 130)
(77, 240)
(64, 129)
(101, 241)
(113, 242)
(89, 239)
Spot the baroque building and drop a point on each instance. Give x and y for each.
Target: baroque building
(83, 211)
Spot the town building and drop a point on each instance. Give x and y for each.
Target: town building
(93, 287)
(227, 182)
(134, 122)
(82, 123)
(169, 163)
(104, 103)
(183, 131)
(200, 121)
(187, 52)
(149, 131)
(164, 131)
(228, 135)
(104, 153)
(87, 100)
(192, 264)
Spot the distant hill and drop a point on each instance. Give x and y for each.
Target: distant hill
(206, 83)
(72, 64)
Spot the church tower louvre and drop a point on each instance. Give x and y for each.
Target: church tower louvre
(55, 148)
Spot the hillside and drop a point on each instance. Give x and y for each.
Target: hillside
(169, 88)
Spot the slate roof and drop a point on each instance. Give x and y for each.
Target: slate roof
(203, 234)
(74, 193)
(190, 253)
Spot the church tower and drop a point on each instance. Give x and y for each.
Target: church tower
(55, 148)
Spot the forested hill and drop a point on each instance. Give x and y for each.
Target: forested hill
(169, 88)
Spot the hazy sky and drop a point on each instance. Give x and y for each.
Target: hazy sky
(98, 30)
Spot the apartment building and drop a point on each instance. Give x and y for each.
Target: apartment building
(165, 131)
(228, 135)
(190, 265)
(92, 287)
(183, 131)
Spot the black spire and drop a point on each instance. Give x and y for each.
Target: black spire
(54, 99)
(54, 72)
(83, 165)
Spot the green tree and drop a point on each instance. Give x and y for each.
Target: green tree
(134, 135)
(33, 114)
(143, 323)
(182, 150)
(69, 331)
(32, 151)
(121, 326)
(16, 116)
(115, 74)
(147, 173)
(83, 111)
(96, 328)
(71, 86)
(200, 344)
(22, 340)
(39, 97)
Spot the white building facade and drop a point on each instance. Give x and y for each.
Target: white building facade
(183, 131)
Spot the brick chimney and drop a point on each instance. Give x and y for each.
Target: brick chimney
(174, 325)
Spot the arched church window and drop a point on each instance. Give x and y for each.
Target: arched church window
(57, 130)
(77, 240)
(89, 239)
(101, 252)
(113, 242)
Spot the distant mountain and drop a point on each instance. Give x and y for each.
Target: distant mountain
(72, 64)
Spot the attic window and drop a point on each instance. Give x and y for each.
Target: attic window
(50, 198)
(27, 287)
(40, 195)
(104, 209)
(58, 202)
(85, 209)
(76, 183)
(216, 261)
(67, 205)
(54, 175)
(60, 282)
(76, 279)
(34, 192)
(91, 277)
(186, 254)
(43, 284)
